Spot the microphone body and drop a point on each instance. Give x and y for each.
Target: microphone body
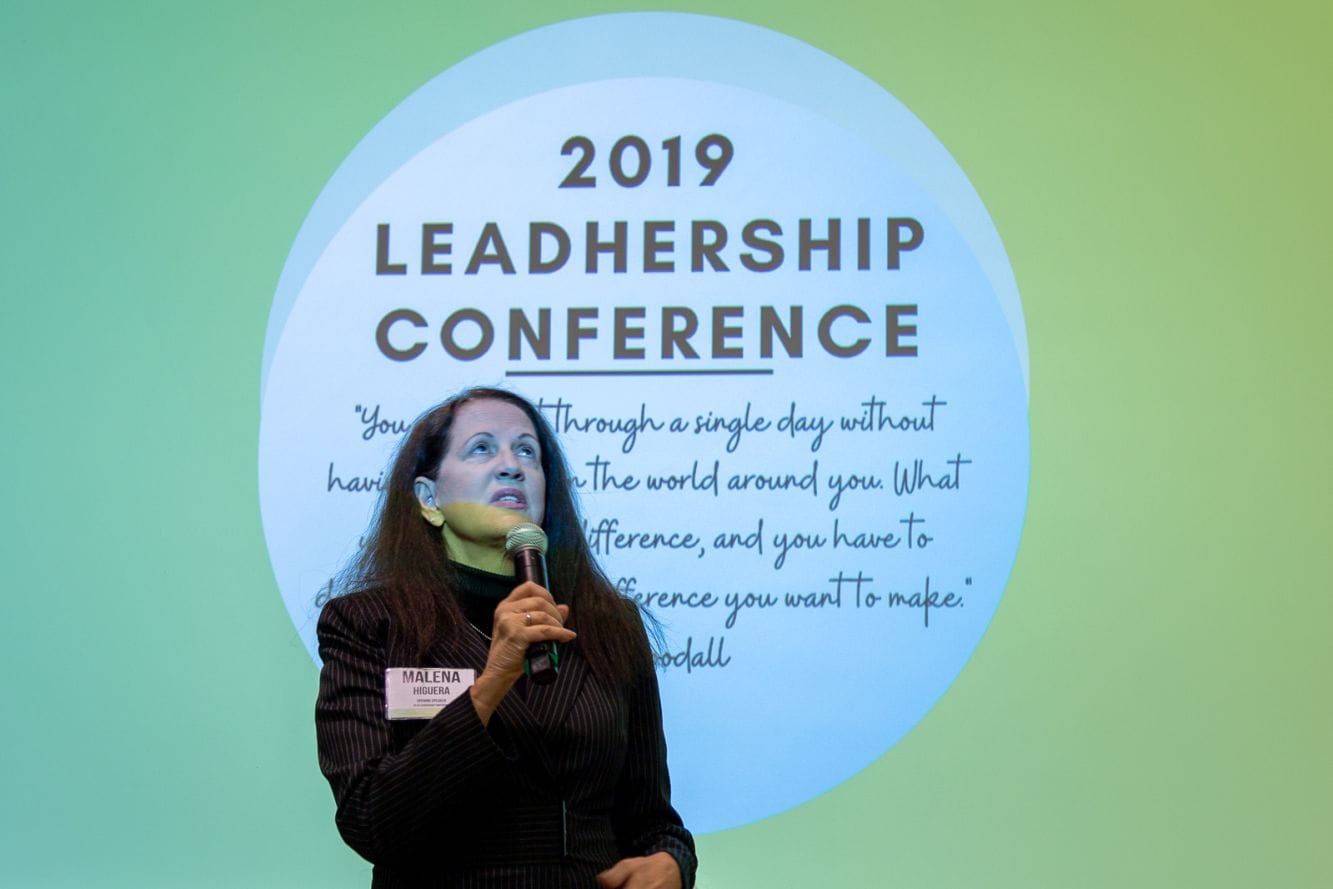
(526, 546)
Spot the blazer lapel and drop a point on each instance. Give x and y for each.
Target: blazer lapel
(546, 706)
(523, 728)
(550, 704)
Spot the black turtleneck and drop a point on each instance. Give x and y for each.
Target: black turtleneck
(479, 592)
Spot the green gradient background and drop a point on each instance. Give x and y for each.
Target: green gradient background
(1152, 705)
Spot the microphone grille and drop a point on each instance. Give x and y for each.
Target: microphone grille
(525, 535)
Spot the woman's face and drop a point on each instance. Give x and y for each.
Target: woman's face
(493, 458)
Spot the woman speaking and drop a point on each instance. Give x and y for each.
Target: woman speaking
(515, 781)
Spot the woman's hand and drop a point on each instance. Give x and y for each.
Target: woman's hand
(656, 871)
(525, 616)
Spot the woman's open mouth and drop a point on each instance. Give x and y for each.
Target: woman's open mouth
(509, 498)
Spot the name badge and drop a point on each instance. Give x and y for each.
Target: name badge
(421, 692)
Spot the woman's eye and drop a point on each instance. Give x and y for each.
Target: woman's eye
(526, 451)
(481, 447)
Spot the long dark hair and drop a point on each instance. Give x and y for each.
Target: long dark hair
(403, 555)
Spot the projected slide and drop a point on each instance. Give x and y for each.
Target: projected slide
(771, 322)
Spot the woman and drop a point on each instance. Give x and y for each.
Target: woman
(511, 783)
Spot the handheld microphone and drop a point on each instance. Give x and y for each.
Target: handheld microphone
(526, 545)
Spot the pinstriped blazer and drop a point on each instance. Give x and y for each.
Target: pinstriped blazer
(566, 780)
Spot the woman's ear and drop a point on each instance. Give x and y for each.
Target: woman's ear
(424, 489)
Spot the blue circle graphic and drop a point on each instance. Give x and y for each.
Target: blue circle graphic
(773, 324)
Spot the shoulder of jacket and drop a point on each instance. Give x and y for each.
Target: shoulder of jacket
(364, 607)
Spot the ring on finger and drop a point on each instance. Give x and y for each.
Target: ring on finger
(527, 618)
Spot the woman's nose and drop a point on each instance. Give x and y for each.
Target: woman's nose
(509, 466)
